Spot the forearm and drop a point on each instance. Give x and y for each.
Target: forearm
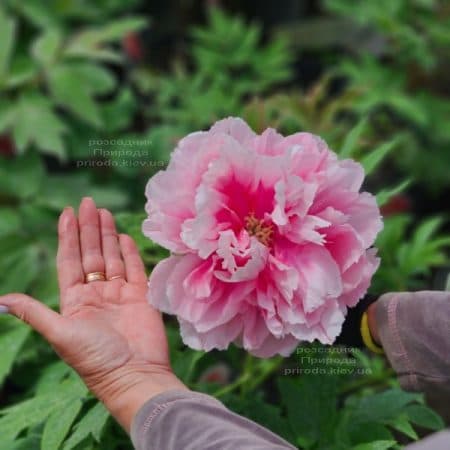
(189, 420)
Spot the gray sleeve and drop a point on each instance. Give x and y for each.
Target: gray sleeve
(414, 329)
(186, 420)
(436, 441)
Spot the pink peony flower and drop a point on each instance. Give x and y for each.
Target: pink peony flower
(269, 237)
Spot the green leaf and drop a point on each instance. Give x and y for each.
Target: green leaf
(46, 47)
(256, 408)
(401, 423)
(376, 445)
(37, 124)
(73, 85)
(185, 363)
(407, 106)
(37, 12)
(10, 221)
(112, 31)
(311, 407)
(51, 376)
(26, 443)
(28, 413)
(371, 161)
(21, 176)
(425, 231)
(424, 417)
(91, 424)
(62, 190)
(7, 116)
(59, 424)
(10, 343)
(23, 268)
(385, 194)
(382, 406)
(23, 70)
(90, 43)
(45, 287)
(369, 432)
(110, 197)
(7, 38)
(350, 144)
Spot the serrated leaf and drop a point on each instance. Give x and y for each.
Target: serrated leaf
(58, 425)
(46, 47)
(91, 424)
(11, 342)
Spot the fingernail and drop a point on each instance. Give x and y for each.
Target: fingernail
(4, 309)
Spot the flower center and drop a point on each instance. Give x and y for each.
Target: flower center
(256, 227)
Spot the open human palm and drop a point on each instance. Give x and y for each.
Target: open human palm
(106, 329)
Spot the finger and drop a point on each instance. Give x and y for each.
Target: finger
(90, 242)
(134, 266)
(114, 264)
(68, 258)
(39, 316)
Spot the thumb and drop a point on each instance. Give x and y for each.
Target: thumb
(39, 316)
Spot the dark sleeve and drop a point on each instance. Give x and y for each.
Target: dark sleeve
(186, 420)
(414, 329)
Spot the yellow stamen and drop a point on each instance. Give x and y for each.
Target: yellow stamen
(256, 227)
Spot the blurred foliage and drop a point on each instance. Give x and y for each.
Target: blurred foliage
(407, 91)
(227, 64)
(80, 115)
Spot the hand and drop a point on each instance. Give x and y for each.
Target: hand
(106, 331)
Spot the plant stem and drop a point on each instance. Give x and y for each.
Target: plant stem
(231, 387)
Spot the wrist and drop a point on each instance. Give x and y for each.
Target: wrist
(126, 390)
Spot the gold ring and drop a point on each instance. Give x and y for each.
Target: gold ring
(95, 276)
(115, 277)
